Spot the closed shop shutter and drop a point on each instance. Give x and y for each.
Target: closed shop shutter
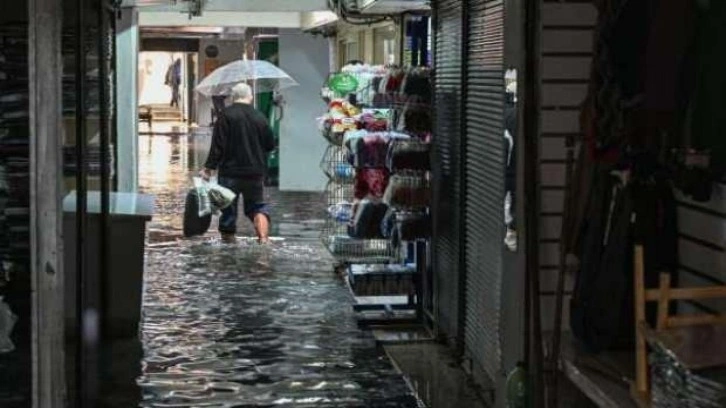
(484, 184)
(446, 166)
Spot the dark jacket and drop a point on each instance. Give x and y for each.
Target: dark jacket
(241, 141)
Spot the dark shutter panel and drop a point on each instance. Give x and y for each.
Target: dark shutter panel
(484, 175)
(446, 163)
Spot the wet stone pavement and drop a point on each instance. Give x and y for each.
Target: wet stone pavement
(244, 325)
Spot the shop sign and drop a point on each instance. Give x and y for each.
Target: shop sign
(343, 84)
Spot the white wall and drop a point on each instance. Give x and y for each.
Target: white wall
(259, 6)
(284, 19)
(306, 59)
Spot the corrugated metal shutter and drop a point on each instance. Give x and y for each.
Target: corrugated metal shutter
(446, 164)
(484, 183)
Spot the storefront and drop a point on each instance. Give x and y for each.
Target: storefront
(604, 97)
(629, 160)
(568, 149)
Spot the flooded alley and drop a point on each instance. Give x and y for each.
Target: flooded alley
(243, 325)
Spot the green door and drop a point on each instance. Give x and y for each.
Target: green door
(267, 50)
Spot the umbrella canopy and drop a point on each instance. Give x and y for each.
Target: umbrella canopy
(265, 77)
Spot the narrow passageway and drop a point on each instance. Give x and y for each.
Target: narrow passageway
(243, 325)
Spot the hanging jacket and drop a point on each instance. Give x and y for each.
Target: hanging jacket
(618, 218)
(708, 123)
(601, 315)
(241, 141)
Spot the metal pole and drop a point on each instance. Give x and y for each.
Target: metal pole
(44, 74)
(81, 204)
(560, 289)
(531, 193)
(402, 40)
(104, 44)
(435, 185)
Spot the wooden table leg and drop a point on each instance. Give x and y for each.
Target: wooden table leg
(641, 363)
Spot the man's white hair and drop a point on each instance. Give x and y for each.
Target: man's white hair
(241, 92)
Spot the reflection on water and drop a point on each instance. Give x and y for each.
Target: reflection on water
(244, 325)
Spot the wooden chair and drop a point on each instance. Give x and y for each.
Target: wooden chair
(695, 339)
(146, 115)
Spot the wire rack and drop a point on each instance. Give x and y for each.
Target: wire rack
(409, 191)
(336, 167)
(335, 235)
(382, 280)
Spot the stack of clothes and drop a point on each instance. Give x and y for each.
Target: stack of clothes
(92, 90)
(382, 280)
(14, 145)
(14, 166)
(92, 159)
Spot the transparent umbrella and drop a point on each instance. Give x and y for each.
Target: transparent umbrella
(264, 76)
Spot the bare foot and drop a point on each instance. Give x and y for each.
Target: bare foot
(262, 227)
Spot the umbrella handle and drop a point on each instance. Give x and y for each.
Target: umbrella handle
(279, 103)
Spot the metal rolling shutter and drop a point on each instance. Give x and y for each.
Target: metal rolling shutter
(484, 184)
(446, 163)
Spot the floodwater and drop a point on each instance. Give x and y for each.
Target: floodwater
(244, 325)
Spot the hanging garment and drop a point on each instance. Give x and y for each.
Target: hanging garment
(601, 316)
(419, 84)
(370, 151)
(408, 192)
(370, 182)
(708, 121)
(618, 217)
(670, 37)
(616, 71)
(367, 220)
(409, 155)
(416, 118)
(510, 178)
(341, 212)
(388, 224)
(414, 227)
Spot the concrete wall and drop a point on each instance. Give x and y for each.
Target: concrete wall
(306, 59)
(229, 50)
(127, 48)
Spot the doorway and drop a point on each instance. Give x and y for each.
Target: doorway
(165, 91)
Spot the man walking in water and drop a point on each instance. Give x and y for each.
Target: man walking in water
(241, 142)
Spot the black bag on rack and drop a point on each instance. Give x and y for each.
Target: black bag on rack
(194, 225)
(367, 220)
(601, 312)
(602, 306)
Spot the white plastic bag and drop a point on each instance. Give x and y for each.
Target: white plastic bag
(212, 197)
(7, 322)
(220, 197)
(205, 206)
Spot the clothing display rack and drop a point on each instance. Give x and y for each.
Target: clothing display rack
(14, 163)
(93, 106)
(378, 225)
